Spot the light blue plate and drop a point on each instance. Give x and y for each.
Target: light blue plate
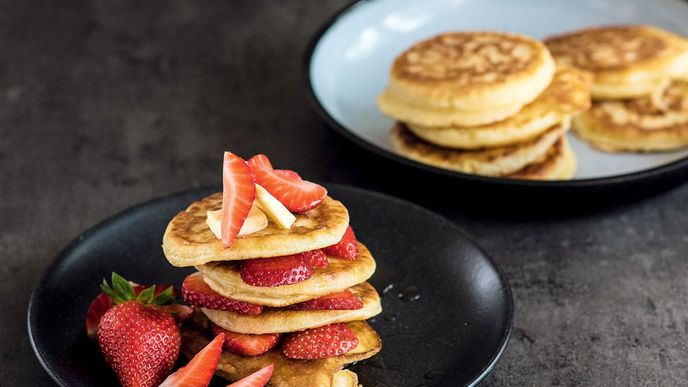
(350, 61)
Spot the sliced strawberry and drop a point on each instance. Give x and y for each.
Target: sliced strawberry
(200, 369)
(287, 173)
(246, 345)
(317, 343)
(347, 247)
(297, 195)
(180, 312)
(256, 379)
(336, 301)
(316, 257)
(278, 271)
(196, 292)
(238, 194)
(98, 307)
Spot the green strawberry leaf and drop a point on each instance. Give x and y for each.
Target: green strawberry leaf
(122, 287)
(111, 293)
(164, 297)
(146, 295)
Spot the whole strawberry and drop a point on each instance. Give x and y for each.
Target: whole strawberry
(139, 338)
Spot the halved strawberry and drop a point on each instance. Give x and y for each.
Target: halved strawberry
(246, 345)
(238, 194)
(196, 292)
(256, 379)
(200, 369)
(278, 271)
(297, 195)
(288, 173)
(344, 300)
(347, 247)
(317, 343)
(316, 257)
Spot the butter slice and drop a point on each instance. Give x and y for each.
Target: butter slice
(273, 208)
(255, 221)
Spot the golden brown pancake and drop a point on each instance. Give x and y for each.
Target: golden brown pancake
(559, 163)
(638, 125)
(288, 372)
(340, 274)
(466, 79)
(189, 242)
(280, 320)
(626, 61)
(489, 162)
(567, 95)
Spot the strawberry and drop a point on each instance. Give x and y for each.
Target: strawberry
(347, 247)
(103, 302)
(244, 344)
(238, 194)
(256, 379)
(278, 271)
(199, 371)
(296, 194)
(336, 301)
(288, 173)
(317, 343)
(316, 257)
(139, 339)
(196, 292)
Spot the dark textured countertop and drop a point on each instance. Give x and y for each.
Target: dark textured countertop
(105, 104)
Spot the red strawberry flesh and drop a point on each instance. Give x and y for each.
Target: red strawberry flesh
(200, 370)
(196, 292)
(316, 257)
(278, 271)
(347, 247)
(256, 379)
(317, 343)
(245, 344)
(238, 194)
(344, 300)
(296, 194)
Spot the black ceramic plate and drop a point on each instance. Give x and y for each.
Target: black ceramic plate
(451, 335)
(346, 67)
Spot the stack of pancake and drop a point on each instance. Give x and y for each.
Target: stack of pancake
(275, 310)
(640, 86)
(485, 103)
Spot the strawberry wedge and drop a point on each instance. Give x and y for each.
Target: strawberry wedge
(286, 186)
(197, 293)
(238, 194)
(245, 344)
(256, 379)
(200, 369)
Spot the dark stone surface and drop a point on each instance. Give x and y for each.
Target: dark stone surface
(104, 104)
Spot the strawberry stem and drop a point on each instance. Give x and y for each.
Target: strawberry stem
(122, 290)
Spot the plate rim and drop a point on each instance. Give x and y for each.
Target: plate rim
(510, 308)
(665, 171)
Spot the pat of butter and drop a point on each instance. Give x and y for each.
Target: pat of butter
(255, 221)
(273, 208)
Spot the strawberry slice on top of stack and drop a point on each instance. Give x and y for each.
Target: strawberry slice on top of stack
(280, 276)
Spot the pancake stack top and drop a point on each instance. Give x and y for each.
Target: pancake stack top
(485, 103)
(640, 86)
(280, 272)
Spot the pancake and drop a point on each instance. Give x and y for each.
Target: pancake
(559, 163)
(489, 162)
(638, 125)
(340, 274)
(188, 241)
(280, 320)
(625, 61)
(567, 95)
(288, 372)
(466, 79)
